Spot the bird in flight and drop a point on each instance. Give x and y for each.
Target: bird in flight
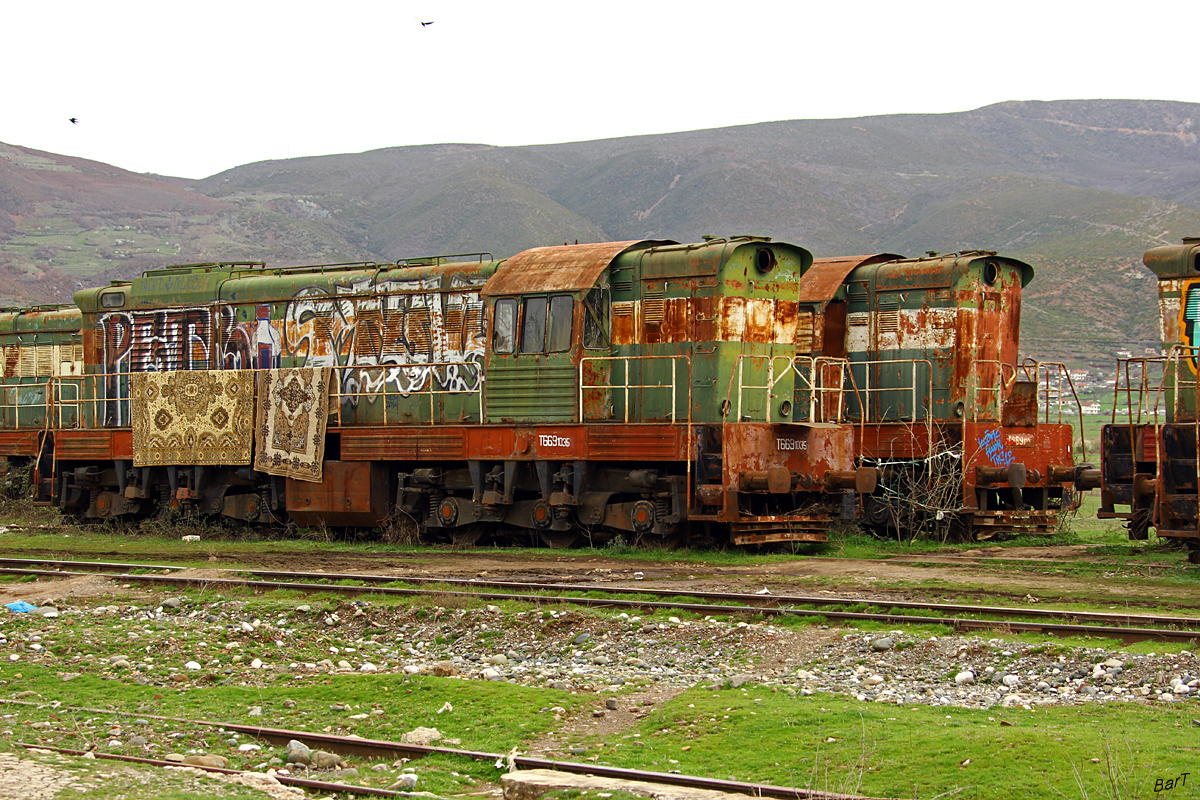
(74, 121)
(425, 24)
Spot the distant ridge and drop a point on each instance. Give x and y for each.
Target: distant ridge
(1079, 188)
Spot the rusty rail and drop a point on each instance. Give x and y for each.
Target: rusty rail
(379, 748)
(286, 780)
(1124, 632)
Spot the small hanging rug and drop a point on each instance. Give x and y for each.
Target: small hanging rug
(293, 410)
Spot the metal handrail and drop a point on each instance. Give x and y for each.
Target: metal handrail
(912, 388)
(817, 388)
(864, 400)
(739, 374)
(1044, 369)
(626, 386)
(428, 381)
(91, 391)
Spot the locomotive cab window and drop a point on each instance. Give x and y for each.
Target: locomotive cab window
(533, 328)
(504, 330)
(562, 313)
(597, 319)
(546, 324)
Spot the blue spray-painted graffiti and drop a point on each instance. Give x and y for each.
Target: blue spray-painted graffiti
(993, 447)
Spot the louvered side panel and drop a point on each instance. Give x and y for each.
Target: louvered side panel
(531, 394)
(402, 444)
(377, 445)
(634, 443)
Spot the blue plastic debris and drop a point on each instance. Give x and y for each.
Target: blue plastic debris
(20, 606)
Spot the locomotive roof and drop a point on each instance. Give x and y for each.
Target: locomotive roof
(559, 269)
(58, 317)
(935, 270)
(825, 277)
(203, 284)
(1175, 260)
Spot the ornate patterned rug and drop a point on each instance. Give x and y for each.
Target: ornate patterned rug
(192, 417)
(293, 409)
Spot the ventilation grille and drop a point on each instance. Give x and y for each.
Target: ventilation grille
(653, 305)
(804, 331)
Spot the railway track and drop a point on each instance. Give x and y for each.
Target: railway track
(383, 749)
(1127, 627)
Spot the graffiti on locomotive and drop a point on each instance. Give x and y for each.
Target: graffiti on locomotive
(426, 339)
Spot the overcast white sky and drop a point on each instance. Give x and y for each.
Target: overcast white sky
(193, 88)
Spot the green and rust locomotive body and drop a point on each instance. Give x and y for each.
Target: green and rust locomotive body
(1149, 456)
(648, 388)
(944, 409)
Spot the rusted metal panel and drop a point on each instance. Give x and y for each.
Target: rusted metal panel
(823, 279)
(1045, 451)
(1021, 405)
(350, 493)
(807, 451)
(559, 269)
(890, 440)
(528, 443)
(19, 443)
(103, 445)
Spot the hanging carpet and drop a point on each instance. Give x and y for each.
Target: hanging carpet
(192, 417)
(293, 409)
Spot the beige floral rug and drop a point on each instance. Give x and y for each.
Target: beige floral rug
(293, 409)
(192, 417)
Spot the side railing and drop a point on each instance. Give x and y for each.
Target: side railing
(396, 390)
(1139, 380)
(595, 397)
(778, 369)
(872, 389)
(824, 379)
(1054, 376)
(354, 385)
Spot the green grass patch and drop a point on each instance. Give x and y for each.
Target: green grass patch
(833, 744)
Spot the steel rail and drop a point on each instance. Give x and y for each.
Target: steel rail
(754, 601)
(382, 748)
(1127, 634)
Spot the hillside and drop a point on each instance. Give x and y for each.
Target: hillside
(1078, 188)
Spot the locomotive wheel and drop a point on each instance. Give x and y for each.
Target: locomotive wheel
(559, 540)
(1138, 526)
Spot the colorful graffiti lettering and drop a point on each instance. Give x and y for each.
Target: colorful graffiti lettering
(402, 336)
(993, 447)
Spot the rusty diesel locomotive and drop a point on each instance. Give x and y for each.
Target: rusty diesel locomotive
(1149, 460)
(651, 389)
(942, 407)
